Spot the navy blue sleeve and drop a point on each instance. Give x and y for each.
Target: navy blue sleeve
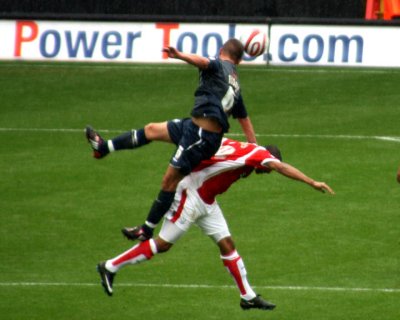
(214, 65)
(239, 109)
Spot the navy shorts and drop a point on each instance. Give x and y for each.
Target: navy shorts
(194, 144)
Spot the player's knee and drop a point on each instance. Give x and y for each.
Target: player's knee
(150, 130)
(157, 131)
(226, 245)
(162, 246)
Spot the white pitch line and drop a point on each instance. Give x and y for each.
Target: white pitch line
(313, 136)
(42, 130)
(197, 286)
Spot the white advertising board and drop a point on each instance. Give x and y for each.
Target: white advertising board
(363, 46)
(335, 46)
(121, 42)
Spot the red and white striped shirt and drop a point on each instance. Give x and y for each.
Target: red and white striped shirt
(232, 161)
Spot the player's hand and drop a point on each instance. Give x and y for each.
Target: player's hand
(171, 52)
(323, 187)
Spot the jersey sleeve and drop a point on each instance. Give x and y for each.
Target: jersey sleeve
(239, 109)
(214, 65)
(260, 159)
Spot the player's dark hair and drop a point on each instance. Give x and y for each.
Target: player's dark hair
(274, 150)
(234, 48)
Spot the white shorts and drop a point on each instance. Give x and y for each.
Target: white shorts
(188, 209)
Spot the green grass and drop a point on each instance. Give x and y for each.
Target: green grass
(62, 210)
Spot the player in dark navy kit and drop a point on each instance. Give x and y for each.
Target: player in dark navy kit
(217, 97)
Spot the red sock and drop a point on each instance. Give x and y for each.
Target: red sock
(141, 252)
(234, 264)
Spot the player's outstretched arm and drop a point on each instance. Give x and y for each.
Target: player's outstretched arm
(193, 59)
(295, 174)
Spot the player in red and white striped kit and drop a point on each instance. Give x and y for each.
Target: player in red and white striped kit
(195, 204)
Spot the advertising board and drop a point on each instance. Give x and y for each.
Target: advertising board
(362, 46)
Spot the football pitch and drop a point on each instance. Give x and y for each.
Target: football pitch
(314, 255)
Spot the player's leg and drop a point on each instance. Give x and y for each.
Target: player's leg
(159, 207)
(143, 251)
(215, 226)
(138, 253)
(194, 145)
(128, 140)
(234, 264)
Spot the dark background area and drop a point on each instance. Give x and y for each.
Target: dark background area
(336, 9)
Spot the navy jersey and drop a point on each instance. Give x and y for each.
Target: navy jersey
(218, 95)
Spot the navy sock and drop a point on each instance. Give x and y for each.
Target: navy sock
(131, 139)
(139, 138)
(160, 207)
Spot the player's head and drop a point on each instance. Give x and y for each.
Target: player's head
(234, 49)
(274, 150)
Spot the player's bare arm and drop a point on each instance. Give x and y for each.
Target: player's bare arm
(248, 129)
(295, 174)
(193, 59)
